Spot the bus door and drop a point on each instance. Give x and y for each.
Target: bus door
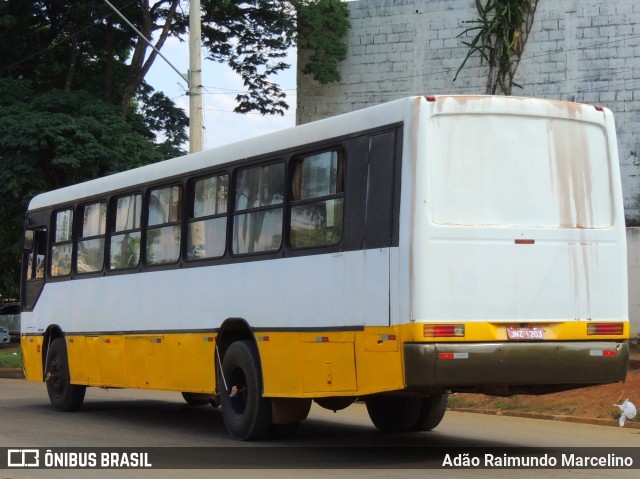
(34, 266)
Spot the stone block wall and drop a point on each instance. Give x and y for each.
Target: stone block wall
(578, 50)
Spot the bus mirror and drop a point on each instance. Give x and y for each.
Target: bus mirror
(28, 240)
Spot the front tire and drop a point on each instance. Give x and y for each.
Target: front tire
(63, 395)
(246, 413)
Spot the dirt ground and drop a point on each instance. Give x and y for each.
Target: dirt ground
(596, 402)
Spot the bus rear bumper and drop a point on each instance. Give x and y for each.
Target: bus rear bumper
(468, 365)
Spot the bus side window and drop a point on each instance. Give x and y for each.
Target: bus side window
(124, 251)
(164, 227)
(36, 257)
(257, 221)
(90, 257)
(207, 231)
(62, 248)
(317, 192)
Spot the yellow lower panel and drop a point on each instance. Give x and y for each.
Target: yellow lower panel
(32, 357)
(331, 363)
(179, 362)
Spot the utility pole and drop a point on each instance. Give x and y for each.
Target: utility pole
(195, 78)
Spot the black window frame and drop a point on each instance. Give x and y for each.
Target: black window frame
(234, 212)
(112, 220)
(78, 238)
(147, 228)
(54, 243)
(292, 202)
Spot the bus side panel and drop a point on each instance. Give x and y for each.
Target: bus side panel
(32, 357)
(379, 360)
(82, 368)
(190, 362)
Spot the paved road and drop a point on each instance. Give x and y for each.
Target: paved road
(131, 418)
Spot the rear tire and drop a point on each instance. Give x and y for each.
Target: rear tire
(394, 413)
(63, 395)
(431, 412)
(247, 415)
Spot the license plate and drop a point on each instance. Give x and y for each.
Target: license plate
(525, 333)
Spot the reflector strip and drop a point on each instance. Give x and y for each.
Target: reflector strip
(606, 353)
(263, 338)
(453, 356)
(525, 241)
(156, 340)
(387, 337)
(322, 339)
(208, 339)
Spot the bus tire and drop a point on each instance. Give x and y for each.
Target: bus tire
(63, 395)
(246, 413)
(431, 412)
(394, 413)
(196, 399)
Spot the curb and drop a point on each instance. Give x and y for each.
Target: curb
(530, 415)
(11, 373)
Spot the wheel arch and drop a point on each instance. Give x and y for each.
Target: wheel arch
(52, 332)
(231, 330)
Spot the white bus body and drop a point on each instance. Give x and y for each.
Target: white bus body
(483, 249)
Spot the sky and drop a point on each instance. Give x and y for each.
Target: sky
(221, 85)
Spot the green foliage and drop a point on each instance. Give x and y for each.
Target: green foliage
(501, 32)
(74, 104)
(253, 37)
(52, 139)
(322, 27)
(10, 357)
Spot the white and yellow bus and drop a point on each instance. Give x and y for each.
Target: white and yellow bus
(393, 254)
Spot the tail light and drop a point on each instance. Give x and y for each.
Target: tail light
(605, 329)
(444, 330)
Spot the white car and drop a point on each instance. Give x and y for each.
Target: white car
(4, 336)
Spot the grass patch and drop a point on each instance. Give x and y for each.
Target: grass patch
(10, 357)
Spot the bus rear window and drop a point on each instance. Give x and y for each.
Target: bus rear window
(508, 170)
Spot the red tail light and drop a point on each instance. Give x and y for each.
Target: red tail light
(443, 330)
(605, 329)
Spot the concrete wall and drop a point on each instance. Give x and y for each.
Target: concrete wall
(578, 50)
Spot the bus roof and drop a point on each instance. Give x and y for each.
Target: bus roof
(341, 125)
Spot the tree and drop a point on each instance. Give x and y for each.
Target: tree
(50, 140)
(502, 30)
(254, 36)
(73, 101)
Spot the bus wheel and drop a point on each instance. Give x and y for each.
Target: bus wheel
(63, 395)
(394, 413)
(246, 414)
(431, 412)
(196, 399)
